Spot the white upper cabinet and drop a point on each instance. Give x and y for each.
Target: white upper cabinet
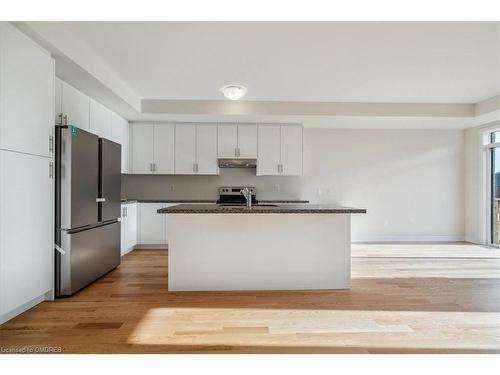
(280, 150)
(142, 148)
(268, 159)
(100, 120)
(119, 134)
(26, 94)
(206, 149)
(196, 149)
(75, 107)
(57, 101)
(228, 141)
(193, 149)
(291, 150)
(237, 141)
(185, 149)
(164, 143)
(247, 141)
(153, 148)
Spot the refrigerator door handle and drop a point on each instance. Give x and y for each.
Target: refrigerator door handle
(100, 200)
(58, 248)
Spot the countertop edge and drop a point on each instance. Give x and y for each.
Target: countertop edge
(208, 201)
(262, 210)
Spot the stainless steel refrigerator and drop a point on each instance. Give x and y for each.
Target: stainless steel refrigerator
(88, 194)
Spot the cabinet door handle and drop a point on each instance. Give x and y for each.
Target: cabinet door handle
(51, 144)
(194, 167)
(197, 168)
(151, 167)
(65, 117)
(236, 151)
(154, 167)
(60, 119)
(51, 170)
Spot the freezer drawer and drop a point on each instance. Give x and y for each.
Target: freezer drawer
(89, 254)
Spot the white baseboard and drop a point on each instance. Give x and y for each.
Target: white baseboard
(19, 310)
(151, 246)
(128, 250)
(362, 239)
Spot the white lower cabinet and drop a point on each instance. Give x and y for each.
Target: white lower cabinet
(26, 230)
(152, 227)
(128, 227)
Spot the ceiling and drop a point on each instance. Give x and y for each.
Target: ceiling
(396, 62)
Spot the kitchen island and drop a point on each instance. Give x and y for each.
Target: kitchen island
(266, 247)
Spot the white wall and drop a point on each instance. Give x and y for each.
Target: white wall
(474, 231)
(411, 181)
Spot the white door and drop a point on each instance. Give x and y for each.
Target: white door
(142, 148)
(151, 224)
(26, 94)
(26, 228)
(291, 150)
(164, 149)
(247, 141)
(75, 106)
(119, 134)
(206, 149)
(100, 120)
(268, 158)
(227, 136)
(185, 149)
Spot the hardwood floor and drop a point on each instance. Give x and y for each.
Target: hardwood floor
(432, 298)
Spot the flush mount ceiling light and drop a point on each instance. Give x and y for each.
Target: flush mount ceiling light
(234, 92)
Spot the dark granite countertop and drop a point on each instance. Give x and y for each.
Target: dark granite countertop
(259, 209)
(213, 201)
(125, 201)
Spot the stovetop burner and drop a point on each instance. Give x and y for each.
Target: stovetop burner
(231, 195)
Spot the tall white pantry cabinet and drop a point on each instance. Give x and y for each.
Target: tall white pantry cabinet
(26, 172)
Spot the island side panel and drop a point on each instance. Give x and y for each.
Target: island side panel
(259, 252)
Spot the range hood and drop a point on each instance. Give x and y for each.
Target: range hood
(237, 163)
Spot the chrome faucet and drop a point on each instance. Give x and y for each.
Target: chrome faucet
(247, 193)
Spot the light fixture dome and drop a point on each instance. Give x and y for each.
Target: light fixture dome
(234, 92)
